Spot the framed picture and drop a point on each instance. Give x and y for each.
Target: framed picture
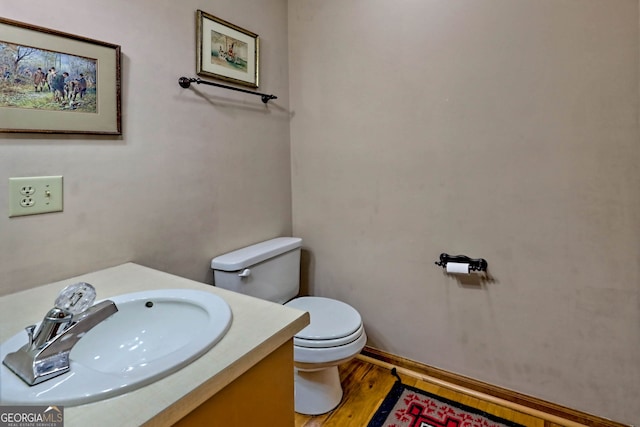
(54, 82)
(226, 51)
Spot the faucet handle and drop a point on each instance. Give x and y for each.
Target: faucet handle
(76, 298)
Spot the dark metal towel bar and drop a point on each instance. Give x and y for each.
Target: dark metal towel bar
(185, 82)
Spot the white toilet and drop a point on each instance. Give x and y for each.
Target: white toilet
(270, 270)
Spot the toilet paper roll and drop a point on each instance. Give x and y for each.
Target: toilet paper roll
(458, 267)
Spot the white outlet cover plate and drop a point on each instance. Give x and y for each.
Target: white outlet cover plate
(35, 195)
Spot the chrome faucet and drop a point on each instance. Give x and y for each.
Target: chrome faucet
(46, 354)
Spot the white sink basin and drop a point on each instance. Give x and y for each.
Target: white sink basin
(153, 334)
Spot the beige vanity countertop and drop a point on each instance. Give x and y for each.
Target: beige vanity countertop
(257, 329)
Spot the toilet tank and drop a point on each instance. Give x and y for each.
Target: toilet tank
(268, 270)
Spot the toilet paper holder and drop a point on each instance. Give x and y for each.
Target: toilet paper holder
(475, 264)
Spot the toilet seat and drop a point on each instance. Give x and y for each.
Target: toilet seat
(329, 355)
(333, 322)
(335, 332)
(302, 342)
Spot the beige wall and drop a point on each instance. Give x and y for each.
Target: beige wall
(495, 128)
(196, 172)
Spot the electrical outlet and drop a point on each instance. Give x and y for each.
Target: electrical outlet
(27, 202)
(35, 195)
(27, 190)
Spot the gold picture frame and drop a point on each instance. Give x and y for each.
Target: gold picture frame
(226, 52)
(55, 82)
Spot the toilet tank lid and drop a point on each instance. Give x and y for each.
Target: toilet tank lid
(250, 255)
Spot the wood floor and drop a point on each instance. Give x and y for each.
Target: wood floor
(366, 384)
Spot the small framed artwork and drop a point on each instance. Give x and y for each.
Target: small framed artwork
(55, 82)
(226, 51)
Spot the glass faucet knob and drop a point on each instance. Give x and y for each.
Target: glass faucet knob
(76, 298)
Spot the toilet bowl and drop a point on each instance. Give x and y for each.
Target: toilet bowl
(334, 336)
(270, 270)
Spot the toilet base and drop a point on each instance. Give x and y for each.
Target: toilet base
(318, 391)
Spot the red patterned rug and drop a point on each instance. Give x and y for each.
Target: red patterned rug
(406, 406)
